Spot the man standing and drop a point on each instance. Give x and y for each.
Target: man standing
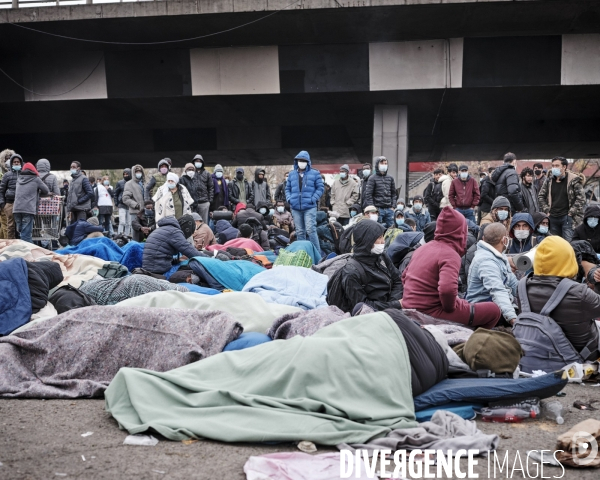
(158, 179)
(280, 190)
(487, 190)
(205, 189)
(27, 195)
(530, 201)
(446, 181)
(240, 191)
(539, 177)
(381, 192)
(464, 194)
(433, 194)
(506, 179)
(8, 186)
(124, 215)
(344, 194)
(302, 192)
(418, 213)
(81, 194)
(260, 187)
(365, 174)
(563, 198)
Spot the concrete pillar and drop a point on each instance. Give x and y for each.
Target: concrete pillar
(15, 3)
(390, 139)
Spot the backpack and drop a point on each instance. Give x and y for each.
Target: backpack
(67, 298)
(544, 342)
(437, 195)
(346, 241)
(336, 232)
(335, 294)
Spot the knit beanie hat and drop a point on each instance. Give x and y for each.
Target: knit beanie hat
(555, 257)
(500, 201)
(172, 176)
(93, 221)
(238, 207)
(345, 167)
(218, 168)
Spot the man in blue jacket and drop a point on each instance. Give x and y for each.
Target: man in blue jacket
(303, 191)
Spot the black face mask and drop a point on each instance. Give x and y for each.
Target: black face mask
(538, 172)
(148, 212)
(239, 176)
(126, 177)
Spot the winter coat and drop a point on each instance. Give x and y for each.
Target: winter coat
(81, 229)
(141, 220)
(80, 195)
(163, 202)
(429, 196)
(492, 218)
(225, 231)
(205, 189)
(234, 192)
(261, 192)
(530, 198)
(464, 195)
(446, 181)
(343, 196)
(133, 192)
(487, 191)
(312, 188)
(575, 314)
(203, 237)
(507, 183)
(585, 232)
(381, 189)
(43, 168)
(217, 190)
(8, 187)
(104, 199)
(517, 246)
(284, 220)
(188, 182)
(244, 215)
(163, 243)
(368, 278)
(421, 218)
(575, 194)
(27, 194)
(119, 190)
(491, 279)
(326, 241)
(280, 192)
(431, 279)
(156, 181)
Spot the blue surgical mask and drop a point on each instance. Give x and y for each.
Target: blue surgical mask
(502, 214)
(399, 221)
(262, 211)
(172, 185)
(592, 222)
(464, 175)
(16, 168)
(106, 183)
(543, 230)
(343, 175)
(383, 168)
(138, 175)
(417, 207)
(352, 213)
(219, 174)
(556, 172)
(198, 164)
(366, 173)
(74, 171)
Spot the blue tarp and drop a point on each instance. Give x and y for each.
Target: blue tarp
(483, 390)
(130, 255)
(15, 298)
(233, 274)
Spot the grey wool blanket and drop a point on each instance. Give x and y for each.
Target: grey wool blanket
(77, 354)
(305, 323)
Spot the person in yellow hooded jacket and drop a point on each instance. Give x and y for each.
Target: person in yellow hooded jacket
(555, 260)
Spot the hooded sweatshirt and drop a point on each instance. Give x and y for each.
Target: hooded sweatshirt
(521, 246)
(156, 181)
(431, 279)
(260, 188)
(43, 168)
(29, 185)
(133, 193)
(538, 217)
(585, 232)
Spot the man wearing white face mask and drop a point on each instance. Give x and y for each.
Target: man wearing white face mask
(221, 198)
(381, 192)
(172, 199)
(344, 194)
(589, 229)
(521, 233)
(464, 193)
(418, 213)
(369, 276)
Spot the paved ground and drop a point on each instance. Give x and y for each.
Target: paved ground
(41, 439)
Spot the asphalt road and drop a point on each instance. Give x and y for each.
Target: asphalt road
(41, 439)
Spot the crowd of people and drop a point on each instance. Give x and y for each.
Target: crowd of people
(449, 253)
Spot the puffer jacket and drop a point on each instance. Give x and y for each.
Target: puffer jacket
(120, 188)
(491, 279)
(381, 189)
(225, 231)
(368, 278)
(163, 243)
(487, 190)
(243, 216)
(188, 182)
(575, 194)
(133, 193)
(576, 312)
(8, 187)
(43, 168)
(312, 186)
(585, 232)
(205, 189)
(343, 196)
(507, 183)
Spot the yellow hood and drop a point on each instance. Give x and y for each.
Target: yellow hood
(555, 257)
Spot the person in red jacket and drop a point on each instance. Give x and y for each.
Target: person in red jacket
(431, 278)
(464, 193)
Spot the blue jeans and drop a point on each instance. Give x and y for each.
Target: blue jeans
(386, 217)
(24, 225)
(467, 213)
(562, 226)
(306, 226)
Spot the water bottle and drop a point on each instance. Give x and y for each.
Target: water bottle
(554, 411)
(516, 412)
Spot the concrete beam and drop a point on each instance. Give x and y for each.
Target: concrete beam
(580, 59)
(390, 139)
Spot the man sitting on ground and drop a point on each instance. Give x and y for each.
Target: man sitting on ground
(490, 275)
(369, 276)
(431, 278)
(203, 236)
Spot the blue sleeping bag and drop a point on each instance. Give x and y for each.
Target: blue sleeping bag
(483, 390)
(15, 297)
(130, 255)
(233, 274)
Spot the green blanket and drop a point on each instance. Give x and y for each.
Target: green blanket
(249, 309)
(348, 383)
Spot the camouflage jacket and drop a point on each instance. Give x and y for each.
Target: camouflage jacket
(575, 194)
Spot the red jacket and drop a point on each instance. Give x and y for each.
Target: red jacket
(464, 194)
(431, 278)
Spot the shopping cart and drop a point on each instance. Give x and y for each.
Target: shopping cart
(47, 222)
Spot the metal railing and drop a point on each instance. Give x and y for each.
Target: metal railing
(420, 181)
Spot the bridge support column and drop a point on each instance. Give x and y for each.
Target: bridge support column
(390, 139)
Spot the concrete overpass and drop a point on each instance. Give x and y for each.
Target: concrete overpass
(416, 80)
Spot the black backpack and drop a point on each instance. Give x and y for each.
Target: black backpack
(346, 242)
(67, 298)
(335, 294)
(336, 233)
(437, 195)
